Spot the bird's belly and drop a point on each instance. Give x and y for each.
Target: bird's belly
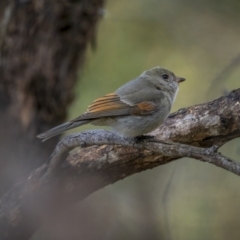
(133, 126)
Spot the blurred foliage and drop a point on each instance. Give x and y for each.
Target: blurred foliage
(186, 199)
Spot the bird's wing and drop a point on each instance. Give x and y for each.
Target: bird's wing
(111, 105)
(144, 108)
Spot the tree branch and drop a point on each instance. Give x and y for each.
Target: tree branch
(105, 158)
(166, 149)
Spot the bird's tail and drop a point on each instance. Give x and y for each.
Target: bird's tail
(60, 129)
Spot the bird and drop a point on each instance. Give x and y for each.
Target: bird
(136, 108)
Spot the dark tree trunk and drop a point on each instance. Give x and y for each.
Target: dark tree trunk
(42, 48)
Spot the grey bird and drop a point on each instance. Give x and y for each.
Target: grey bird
(136, 108)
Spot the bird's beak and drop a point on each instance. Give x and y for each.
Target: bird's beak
(180, 79)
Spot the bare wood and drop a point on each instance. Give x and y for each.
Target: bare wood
(198, 132)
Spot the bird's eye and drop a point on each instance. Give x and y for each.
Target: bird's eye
(165, 76)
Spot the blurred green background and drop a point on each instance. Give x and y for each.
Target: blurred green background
(186, 199)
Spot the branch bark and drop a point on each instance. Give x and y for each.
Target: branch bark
(197, 131)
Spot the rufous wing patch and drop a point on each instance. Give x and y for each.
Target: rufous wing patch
(107, 106)
(144, 108)
(110, 106)
(108, 102)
